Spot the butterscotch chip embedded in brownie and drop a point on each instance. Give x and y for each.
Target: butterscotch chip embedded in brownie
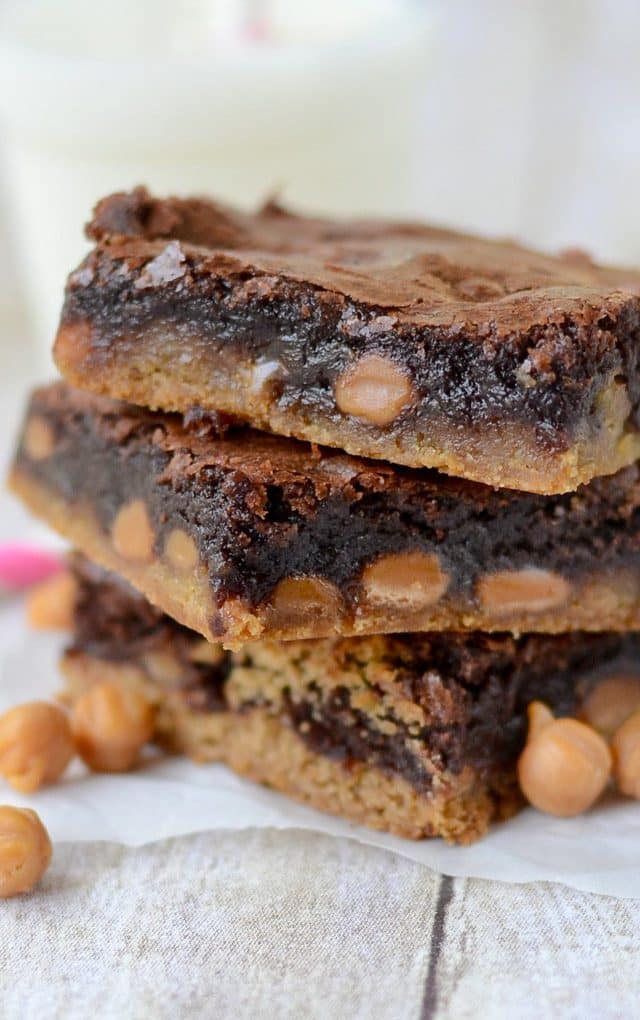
(243, 535)
(398, 341)
(416, 734)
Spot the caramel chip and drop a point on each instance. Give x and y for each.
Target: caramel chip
(522, 591)
(39, 438)
(626, 755)
(51, 604)
(25, 850)
(132, 533)
(181, 550)
(302, 599)
(413, 580)
(373, 389)
(611, 702)
(111, 725)
(565, 765)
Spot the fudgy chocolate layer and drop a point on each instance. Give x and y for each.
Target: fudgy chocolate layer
(261, 509)
(485, 334)
(472, 690)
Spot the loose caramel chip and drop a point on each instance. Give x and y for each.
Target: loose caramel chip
(301, 600)
(181, 550)
(413, 580)
(613, 700)
(373, 389)
(565, 765)
(626, 756)
(522, 591)
(39, 438)
(35, 745)
(539, 717)
(111, 725)
(51, 604)
(132, 533)
(25, 850)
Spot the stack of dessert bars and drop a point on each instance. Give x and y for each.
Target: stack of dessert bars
(346, 497)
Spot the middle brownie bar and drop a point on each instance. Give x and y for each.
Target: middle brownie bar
(241, 535)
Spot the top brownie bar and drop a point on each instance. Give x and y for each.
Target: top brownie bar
(399, 341)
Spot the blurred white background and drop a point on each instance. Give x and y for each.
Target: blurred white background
(508, 118)
(531, 124)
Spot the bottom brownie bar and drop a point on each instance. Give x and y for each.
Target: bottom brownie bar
(417, 734)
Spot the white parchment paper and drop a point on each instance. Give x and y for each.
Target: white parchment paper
(598, 852)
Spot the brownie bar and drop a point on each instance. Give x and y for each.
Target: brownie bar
(240, 535)
(417, 734)
(412, 344)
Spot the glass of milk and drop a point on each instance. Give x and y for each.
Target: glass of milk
(312, 103)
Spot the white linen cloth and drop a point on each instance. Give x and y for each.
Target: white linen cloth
(299, 925)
